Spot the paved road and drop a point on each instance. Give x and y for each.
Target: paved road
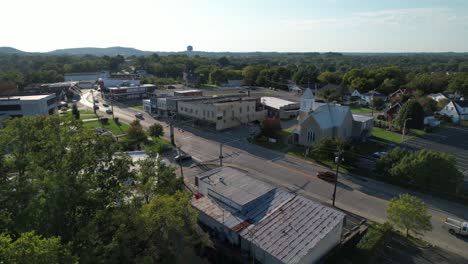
(361, 196)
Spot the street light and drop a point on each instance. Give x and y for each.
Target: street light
(404, 128)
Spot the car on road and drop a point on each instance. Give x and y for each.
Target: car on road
(379, 154)
(96, 101)
(182, 157)
(139, 115)
(109, 112)
(241, 92)
(326, 176)
(170, 87)
(105, 105)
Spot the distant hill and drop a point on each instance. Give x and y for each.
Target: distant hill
(112, 51)
(10, 50)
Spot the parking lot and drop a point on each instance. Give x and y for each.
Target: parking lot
(450, 140)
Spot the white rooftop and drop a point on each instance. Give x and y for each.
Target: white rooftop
(330, 115)
(276, 102)
(362, 118)
(26, 97)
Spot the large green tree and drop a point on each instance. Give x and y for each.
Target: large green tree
(409, 213)
(412, 114)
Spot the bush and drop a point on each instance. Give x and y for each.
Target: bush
(104, 120)
(373, 239)
(116, 120)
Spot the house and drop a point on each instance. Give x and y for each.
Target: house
(456, 110)
(322, 120)
(437, 97)
(267, 224)
(281, 108)
(28, 105)
(391, 112)
(366, 98)
(399, 94)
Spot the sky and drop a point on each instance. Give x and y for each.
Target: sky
(238, 25)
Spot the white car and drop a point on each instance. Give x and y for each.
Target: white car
(138, 115)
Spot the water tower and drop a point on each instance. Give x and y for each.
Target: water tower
(189, 48)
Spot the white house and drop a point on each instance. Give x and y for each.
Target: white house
(366, 98)
(456, 110)
(437, 96)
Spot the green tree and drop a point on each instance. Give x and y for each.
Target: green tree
(271, 127)
(156, 130)
(75, 112)
(393, 157)
(32, 248)
(411, 109)
(428, 104)
(429, 169)
(135, 134)
(377, 103)
(218, 76)
(409, 213)
(329, 77)
(251, 73)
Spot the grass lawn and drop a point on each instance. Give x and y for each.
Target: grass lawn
(117, 129)
(274, 146)
(360, 109)
(84, 114)
(138, 106)
(387, 136)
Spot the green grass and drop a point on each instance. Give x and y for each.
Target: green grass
(278, 146)
(139, 107)
(360, 109)
(84, 114)
(116, 129)
(387, 136)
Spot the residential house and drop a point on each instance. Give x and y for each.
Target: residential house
(399, 94)
(456, 110)
(437, 97)
(391, 112)
(366, 98)
(267, 224)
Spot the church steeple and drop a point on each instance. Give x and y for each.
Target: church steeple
(307, 101)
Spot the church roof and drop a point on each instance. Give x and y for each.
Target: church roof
(307, 94)
(330, 115)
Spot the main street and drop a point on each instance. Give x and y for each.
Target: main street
(364, 197)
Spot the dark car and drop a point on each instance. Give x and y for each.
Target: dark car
(327, 176)
(182, 157)
(96, 101)
(96, 107)
(170, 87)
(105, 105)
(108, 111)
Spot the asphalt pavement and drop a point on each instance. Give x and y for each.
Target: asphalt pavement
(364, 197)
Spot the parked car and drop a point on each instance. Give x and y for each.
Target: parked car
(109, 112)
(327, 176)
(105, 105)
(241, 92)
(170, 87)
(139, 115)
(182, 157)
(379, 154)
(456, 227)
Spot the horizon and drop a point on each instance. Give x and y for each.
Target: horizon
(353, 26)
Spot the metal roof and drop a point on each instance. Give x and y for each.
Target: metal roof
(276, 102)
(285, 225)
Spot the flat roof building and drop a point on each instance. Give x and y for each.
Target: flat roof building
(29, 105)
(131, 92)
(267, 223)
(280, 108)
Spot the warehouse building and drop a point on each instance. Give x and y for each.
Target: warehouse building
(29, 105)
(266, 223)
(280, 108)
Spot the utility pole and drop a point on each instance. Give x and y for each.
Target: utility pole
(94, 102)
(171, 132)
(404, 128)
(112, 108)
(372, 103)
(338, 159)
(221, 155)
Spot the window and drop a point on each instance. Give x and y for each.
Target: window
(203, 112)
(248, 108)
(15, 107)
(196, 112)
(224, 112)
(233, 113)
(310, 136)
(240, 110)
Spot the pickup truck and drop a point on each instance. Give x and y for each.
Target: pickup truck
(456, 227)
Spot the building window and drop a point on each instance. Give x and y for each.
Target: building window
(224, 112)
(196, 112)
(15, 107)
(310, 136)
(204, 113)
(240, 110)
(248, 108)
(233, 113)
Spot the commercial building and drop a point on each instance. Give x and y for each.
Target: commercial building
(29, 105)
(222, 112)
(193, 92)
(278, 107)
(132, 92)
(266, 223)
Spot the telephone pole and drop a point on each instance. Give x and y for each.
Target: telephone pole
(338, 159)
(221, 155)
